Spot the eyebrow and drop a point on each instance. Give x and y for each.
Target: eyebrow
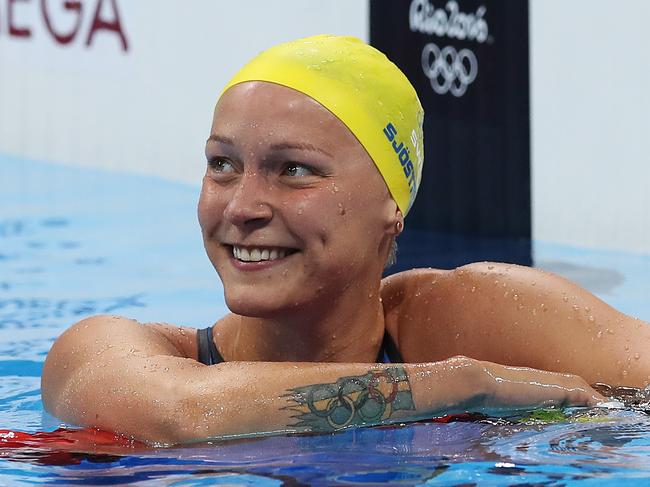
(300, 146)
(279, 146)
(221, 138)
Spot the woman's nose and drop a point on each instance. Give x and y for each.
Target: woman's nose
(249, 202)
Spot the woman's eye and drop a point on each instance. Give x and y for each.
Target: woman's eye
(221, 165)
(297, 170)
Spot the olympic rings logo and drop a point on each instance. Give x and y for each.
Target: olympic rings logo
(449, 71)
(371, 405)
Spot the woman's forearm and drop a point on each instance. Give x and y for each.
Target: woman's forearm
(252, 398)
(117, 375)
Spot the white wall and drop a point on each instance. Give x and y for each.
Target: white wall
(590, 103)
(147, 109)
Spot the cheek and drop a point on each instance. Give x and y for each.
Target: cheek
(209, 207)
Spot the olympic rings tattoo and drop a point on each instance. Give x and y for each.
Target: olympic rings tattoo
(371, 398)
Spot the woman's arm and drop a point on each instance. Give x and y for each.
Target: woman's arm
(118, 375)
(518, 316)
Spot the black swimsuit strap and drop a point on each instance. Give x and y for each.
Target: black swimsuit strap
(389, 353)
(209, 355)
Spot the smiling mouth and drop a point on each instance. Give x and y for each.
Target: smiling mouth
(260, 254)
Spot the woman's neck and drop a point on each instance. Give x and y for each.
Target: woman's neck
(346, 328)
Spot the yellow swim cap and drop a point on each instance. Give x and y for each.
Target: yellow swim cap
(365, 90)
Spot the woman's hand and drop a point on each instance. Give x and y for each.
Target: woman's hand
(521, 386)
(474, 385)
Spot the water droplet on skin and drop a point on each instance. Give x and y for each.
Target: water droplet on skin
(341, 209)
(335, 188)
(576, 307)
(473, 289)
(627, 347)
(503, 285)
(490, 267)
(565, 299)
(610, 331)
(515, 297)
(457, 336)
(505, 295)
(637, 356)
(625, 373)
(520, 307)
(533, 283)
(300, 211)
(599, 334)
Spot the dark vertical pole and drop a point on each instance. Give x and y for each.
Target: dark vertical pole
(468, 61)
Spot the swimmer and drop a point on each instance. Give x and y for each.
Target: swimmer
(313, 161)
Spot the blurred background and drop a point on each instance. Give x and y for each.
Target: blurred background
(537, 112)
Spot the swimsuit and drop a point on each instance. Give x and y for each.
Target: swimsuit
(209, 355)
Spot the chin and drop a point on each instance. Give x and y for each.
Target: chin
(246, 305)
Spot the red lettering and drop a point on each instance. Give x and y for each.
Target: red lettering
(71, 6)
(15, 31)
(111, 26)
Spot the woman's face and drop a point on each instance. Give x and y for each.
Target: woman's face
(292, 209)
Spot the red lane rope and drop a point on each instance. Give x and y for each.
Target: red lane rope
(85, 440)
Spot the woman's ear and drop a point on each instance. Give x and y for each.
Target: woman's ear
(398, 222)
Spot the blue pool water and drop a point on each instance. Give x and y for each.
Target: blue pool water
(76, 242)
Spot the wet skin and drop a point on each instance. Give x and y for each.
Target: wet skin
(327, 202)
(285, 176)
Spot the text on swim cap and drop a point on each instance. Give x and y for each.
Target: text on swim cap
(403, 155)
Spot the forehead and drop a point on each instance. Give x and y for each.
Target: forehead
(265, 110)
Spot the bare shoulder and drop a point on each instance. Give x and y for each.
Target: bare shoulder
(491, 311)
(397, 288)
(433, 313)
(100, 335)
(102, 332)
(402, 295)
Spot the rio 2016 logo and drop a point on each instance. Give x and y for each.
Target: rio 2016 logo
(449, 70)
(104, 17)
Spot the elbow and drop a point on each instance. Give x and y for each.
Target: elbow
(63, 361)
(193, 411)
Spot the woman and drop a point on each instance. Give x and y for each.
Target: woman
(314, 156)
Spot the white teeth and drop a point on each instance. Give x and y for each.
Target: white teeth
(257, 255)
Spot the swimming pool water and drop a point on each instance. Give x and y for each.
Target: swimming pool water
(75, 242)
